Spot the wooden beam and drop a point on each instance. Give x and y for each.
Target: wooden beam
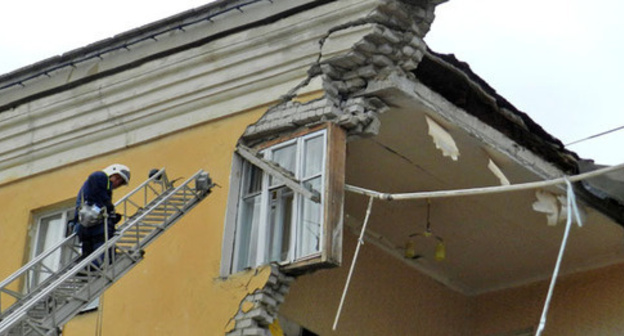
(276, 171)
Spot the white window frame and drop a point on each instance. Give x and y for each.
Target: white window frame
(53, 235)
(330, 184)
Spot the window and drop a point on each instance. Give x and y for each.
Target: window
(49, 229)
(288, 204)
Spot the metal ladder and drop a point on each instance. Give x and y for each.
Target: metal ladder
(52, 288)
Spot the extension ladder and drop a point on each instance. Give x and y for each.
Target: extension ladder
(30, 305)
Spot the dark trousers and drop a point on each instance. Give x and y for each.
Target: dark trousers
(90, 244)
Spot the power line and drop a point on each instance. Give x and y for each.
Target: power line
(595, 135)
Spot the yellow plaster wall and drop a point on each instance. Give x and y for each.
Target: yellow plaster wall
(385, 298)
(388, 298)
(175, 290)
(583, 304)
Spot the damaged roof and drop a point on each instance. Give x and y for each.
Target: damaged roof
(456, 82)
(445, 74)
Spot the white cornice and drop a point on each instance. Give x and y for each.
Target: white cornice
(226, 76)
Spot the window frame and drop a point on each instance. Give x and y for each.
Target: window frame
(61, 233)
(331, 196)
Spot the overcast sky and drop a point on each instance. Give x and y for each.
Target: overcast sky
(556, 60)
(560, 61)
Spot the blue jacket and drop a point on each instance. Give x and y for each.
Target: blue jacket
(98, 190)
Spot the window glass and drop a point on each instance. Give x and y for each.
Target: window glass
(253, 179)
(313, 156)
(280, 223)
(309, 237)
(50, 228)
(250, 217)
(285, 157)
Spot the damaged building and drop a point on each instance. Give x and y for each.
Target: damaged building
(312, 117)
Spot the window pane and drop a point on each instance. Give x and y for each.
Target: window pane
(309, 234)
(247, 239)
(50, 230)
(280, 222)
(254, 179)
(286, 158)
(313, 156)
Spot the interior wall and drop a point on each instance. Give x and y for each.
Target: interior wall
(583, 304)
(385, 297)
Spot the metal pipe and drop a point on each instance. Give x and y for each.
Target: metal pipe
(480, 191)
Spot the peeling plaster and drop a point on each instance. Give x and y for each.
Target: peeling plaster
(442, 139)
(258, 309)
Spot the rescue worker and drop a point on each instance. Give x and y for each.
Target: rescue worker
(94, 204)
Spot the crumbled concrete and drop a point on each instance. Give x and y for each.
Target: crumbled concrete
(259, 309)
(393, 44)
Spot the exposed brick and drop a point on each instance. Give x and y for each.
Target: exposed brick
(372, 128)
(385, 49)
(376, 35)
(330, 89)
(331, 71)
(341, 86)
(382, 61)
(355, 109)
(392, 36)
(356, 82)
(256, 332)
(261, 316)
(246, 323)
(377, 104)
(358, 58)
(409, 65)
(416, 42)
(408, 50)
(348, 121)
(365, 46)
(344, 61)
(351, 75)
(368, 71)
(331, 112)
(378, 16)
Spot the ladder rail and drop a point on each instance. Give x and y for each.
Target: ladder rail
(135, 221)
(108, 274)
(17, 274)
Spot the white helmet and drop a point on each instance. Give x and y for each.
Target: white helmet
(120, 170)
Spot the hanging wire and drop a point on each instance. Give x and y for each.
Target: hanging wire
(595, 135)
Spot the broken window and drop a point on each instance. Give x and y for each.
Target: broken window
(288, 202)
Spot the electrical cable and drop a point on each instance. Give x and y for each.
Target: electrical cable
(595, 136)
